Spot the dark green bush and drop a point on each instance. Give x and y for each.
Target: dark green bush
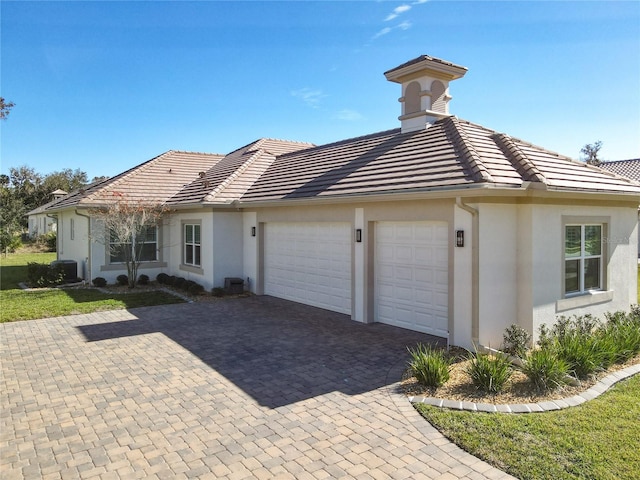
(51, 241)
(178, 282)
(218, 292)
(122, 280)
(623, 330)
(196, 289)
(143, 279)
(171, 280)
(544, 369)
(162, 278)
(516, 341)
(99, 282)
(43, 275)
(430, 366)
(489, 372)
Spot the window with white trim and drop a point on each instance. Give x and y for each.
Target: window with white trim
(582, 258)
(192, 244)
(146, 245)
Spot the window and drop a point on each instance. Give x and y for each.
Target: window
(582, 258)
(146, 247)
(192, 244)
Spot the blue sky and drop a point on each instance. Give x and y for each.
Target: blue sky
(104, 86)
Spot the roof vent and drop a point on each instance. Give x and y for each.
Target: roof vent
(425, 90)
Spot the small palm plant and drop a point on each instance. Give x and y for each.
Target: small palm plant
(429, 365)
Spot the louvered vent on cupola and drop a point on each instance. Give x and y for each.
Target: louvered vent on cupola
(425, 90)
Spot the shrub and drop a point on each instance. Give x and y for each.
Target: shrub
(187, 285)
(218, 292)
(623, 330)
(122, 280)
(162, 278)
(544, 369)
(430, 366)
(196, 289)
(143, 279)
(99, 282)
(51, 241)
(581, 342)
(516, 341)
(9, 243)
(171, 280)
(489, 372)
(43, 275)
(178, 282)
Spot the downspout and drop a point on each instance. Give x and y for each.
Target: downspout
(89, 240)
(475, 270)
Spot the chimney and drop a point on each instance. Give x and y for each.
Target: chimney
(425, 90)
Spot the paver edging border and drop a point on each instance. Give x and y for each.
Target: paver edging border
(595, 391)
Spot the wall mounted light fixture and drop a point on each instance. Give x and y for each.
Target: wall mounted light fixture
(459, 238)
(358, 235)
(253, 231)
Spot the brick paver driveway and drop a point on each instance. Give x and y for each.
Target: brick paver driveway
(246, 388)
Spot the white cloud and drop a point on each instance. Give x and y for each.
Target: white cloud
(349, 115)
(382, 32)
(404, 25)
(418, 2)
(311, 97)
(397, 11)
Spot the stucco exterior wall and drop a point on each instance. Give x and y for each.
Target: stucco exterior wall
(620, 240)
(227, 248)
(498, 279)
(73, 241)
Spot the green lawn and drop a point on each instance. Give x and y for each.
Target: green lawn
(598, 439)
(18, 304)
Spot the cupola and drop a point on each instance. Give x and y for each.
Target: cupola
(425, 90)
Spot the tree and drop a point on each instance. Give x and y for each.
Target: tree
(590, 153)
(5, 108)
(126, 227)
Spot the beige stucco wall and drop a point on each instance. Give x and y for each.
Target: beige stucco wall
(521, 265)
(621, 262)
(498, 279)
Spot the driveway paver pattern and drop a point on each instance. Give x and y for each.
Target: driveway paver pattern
(241, 388)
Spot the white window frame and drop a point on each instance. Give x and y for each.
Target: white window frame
(583, 258)
(193, 245)
(110, 255)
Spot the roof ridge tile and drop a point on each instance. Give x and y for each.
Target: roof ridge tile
(469, 154)
(235, 174)
(523, 165)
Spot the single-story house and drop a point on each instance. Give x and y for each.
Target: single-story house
(440, 225)
(40, 222)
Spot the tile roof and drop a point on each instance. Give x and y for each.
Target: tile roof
(626, 168)
(229, 179)
(156, 180)
(450, 154)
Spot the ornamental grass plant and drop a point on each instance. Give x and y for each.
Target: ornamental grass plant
(489, 372)
(429, 365)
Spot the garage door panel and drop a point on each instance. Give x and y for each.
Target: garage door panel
(309, 263)
(411, 275)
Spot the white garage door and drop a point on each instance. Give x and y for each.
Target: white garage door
(411, 275)
(309, 263)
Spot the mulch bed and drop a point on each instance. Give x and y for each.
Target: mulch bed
(518, 389)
